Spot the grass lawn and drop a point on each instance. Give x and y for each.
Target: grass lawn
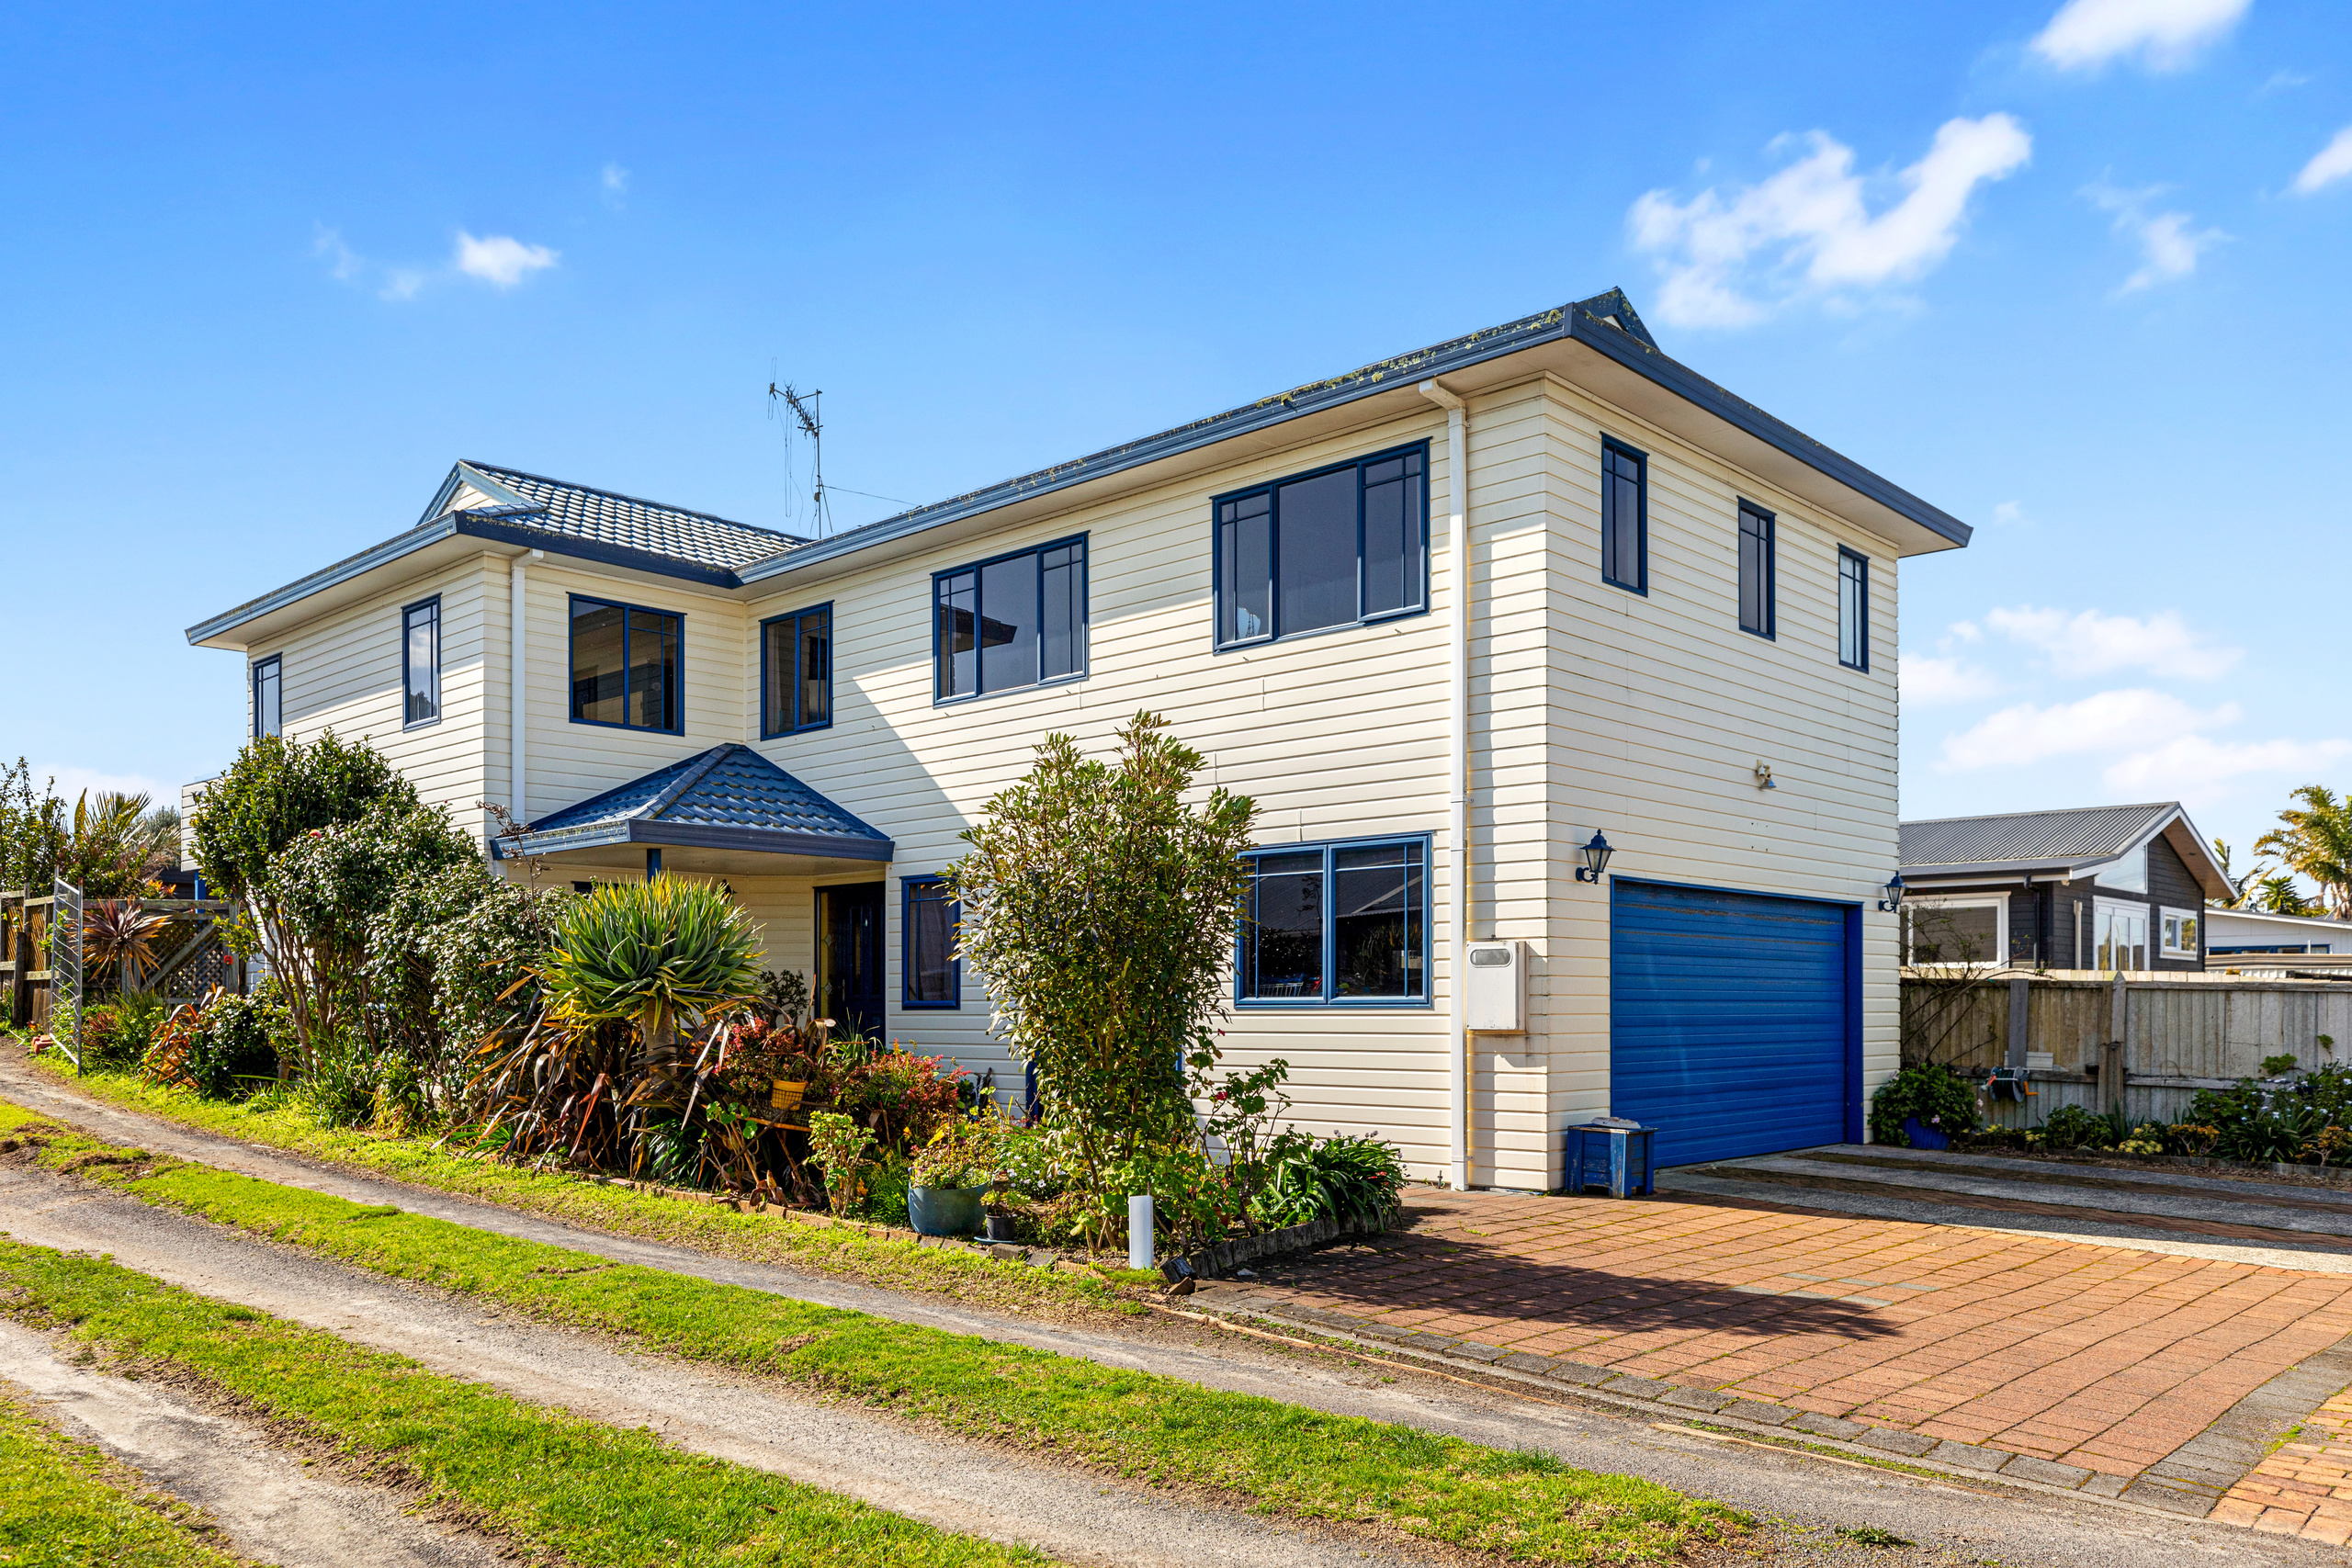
(622, 1211)
(594, 1494)
(1282, 1458)
(65, 1505)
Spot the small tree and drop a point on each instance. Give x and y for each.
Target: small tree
(1100, 911)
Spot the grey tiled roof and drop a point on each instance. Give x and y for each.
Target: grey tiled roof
(730, 789)
(2031, 837)
(613, 519)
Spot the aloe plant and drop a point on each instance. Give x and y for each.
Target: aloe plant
(660, 955)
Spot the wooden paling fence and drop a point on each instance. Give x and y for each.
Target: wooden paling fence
(2143, 1046)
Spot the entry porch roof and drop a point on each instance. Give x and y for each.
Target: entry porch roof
(730, 800)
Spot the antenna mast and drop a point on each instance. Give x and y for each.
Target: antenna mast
(806, 408)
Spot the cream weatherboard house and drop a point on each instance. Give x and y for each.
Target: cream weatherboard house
(1455, 620)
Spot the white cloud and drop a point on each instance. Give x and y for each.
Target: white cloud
(615, 180)
(2087, 643)
(1810, 227)
(344, 264)
(2329, 164)
(2010, 514)
(501, 259)
(1930, 679)
(2283, 81)
(2184, 765)
(2168, 247)
(2166, 35)
(2107, 721)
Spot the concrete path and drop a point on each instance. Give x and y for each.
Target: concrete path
(1802, 1498)
(271, 1507)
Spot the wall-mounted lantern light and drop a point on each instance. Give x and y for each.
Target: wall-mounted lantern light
(1596, 852)
(1764, 775)
(1890, 897)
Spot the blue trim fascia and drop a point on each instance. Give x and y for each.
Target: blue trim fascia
(1330, 969)
(1640, 525)
(700, 836)
(572, 662)
(1403, 371)
(1085, 628)
(406, 610)
(795, 615)
(1273, 552)
(907, 886)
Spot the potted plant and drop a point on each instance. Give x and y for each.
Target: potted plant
(949, 1177)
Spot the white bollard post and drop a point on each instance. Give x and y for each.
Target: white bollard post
(1139, 1250)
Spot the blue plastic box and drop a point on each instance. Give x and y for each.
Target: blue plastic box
(1619, 1156)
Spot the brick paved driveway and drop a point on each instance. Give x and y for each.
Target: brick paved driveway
(2104, 1358)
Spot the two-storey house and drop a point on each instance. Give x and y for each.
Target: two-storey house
(1460, 622)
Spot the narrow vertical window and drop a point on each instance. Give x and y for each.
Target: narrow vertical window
(1853, 610)
(267, 709)
(626, 666)
(1336, 547)
(1756, 594)
(797, 672)
(1016, 621)
(421, 664)
(1625, 517)
(931, 975)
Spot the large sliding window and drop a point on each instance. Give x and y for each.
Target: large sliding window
(625, 666)
(1337, 923)
(931, 976)
(1019, 620)
(1853, 610)
(1625, 517)
(1336, 547)
(797, 672)
(421, 665)
(268, 681)
(1755, 590)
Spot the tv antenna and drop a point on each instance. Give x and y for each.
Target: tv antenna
(805, 407)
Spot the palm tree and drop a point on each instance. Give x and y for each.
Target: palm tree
(2314, 841)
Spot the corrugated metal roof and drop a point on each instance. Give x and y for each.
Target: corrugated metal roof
(728, 786)
(611, 518)
(2031, 837)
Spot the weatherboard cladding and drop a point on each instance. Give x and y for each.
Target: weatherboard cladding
(580, 513)
(728, 786)
(2088, 833)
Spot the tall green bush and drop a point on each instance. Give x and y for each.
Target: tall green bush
(1099, 909)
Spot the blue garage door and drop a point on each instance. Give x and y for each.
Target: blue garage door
(1726, 1020)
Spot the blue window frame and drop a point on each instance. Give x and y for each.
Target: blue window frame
(1625, 517)
(1757, 590)
(1338, 924)
(421, 665)
(797, 672)
(1009, 622)
(268, 692)
(627, 666)
(1338, 547)
(1853, 610)
(930, 975)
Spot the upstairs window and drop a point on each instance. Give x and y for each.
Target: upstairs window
(933, 977)
(797, 672)
(1853, 610)
(625, 666)
(1625, 517)
(1756, 596)
(421, 665)
(1019, 620)
(1336, 923)
(1336, 547)
(267, 683)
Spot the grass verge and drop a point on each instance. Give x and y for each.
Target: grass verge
(1280, 1458)
(622, 1211)
(585, 1492)
(65, 1505)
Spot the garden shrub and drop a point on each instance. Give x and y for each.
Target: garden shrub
(1334, 1178)
(211, 1048)
(1930, 1092)
(2073, 1127)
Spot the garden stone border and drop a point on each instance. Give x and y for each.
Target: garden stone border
(2191, 1481)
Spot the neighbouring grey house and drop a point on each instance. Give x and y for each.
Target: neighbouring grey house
(2233, 934)
(2100, 887)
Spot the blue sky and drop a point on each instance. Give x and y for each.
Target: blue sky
(2074, 273)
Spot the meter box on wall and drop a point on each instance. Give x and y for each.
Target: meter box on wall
(1497, 993)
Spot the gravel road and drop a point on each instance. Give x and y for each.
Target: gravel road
(1804, 1498)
